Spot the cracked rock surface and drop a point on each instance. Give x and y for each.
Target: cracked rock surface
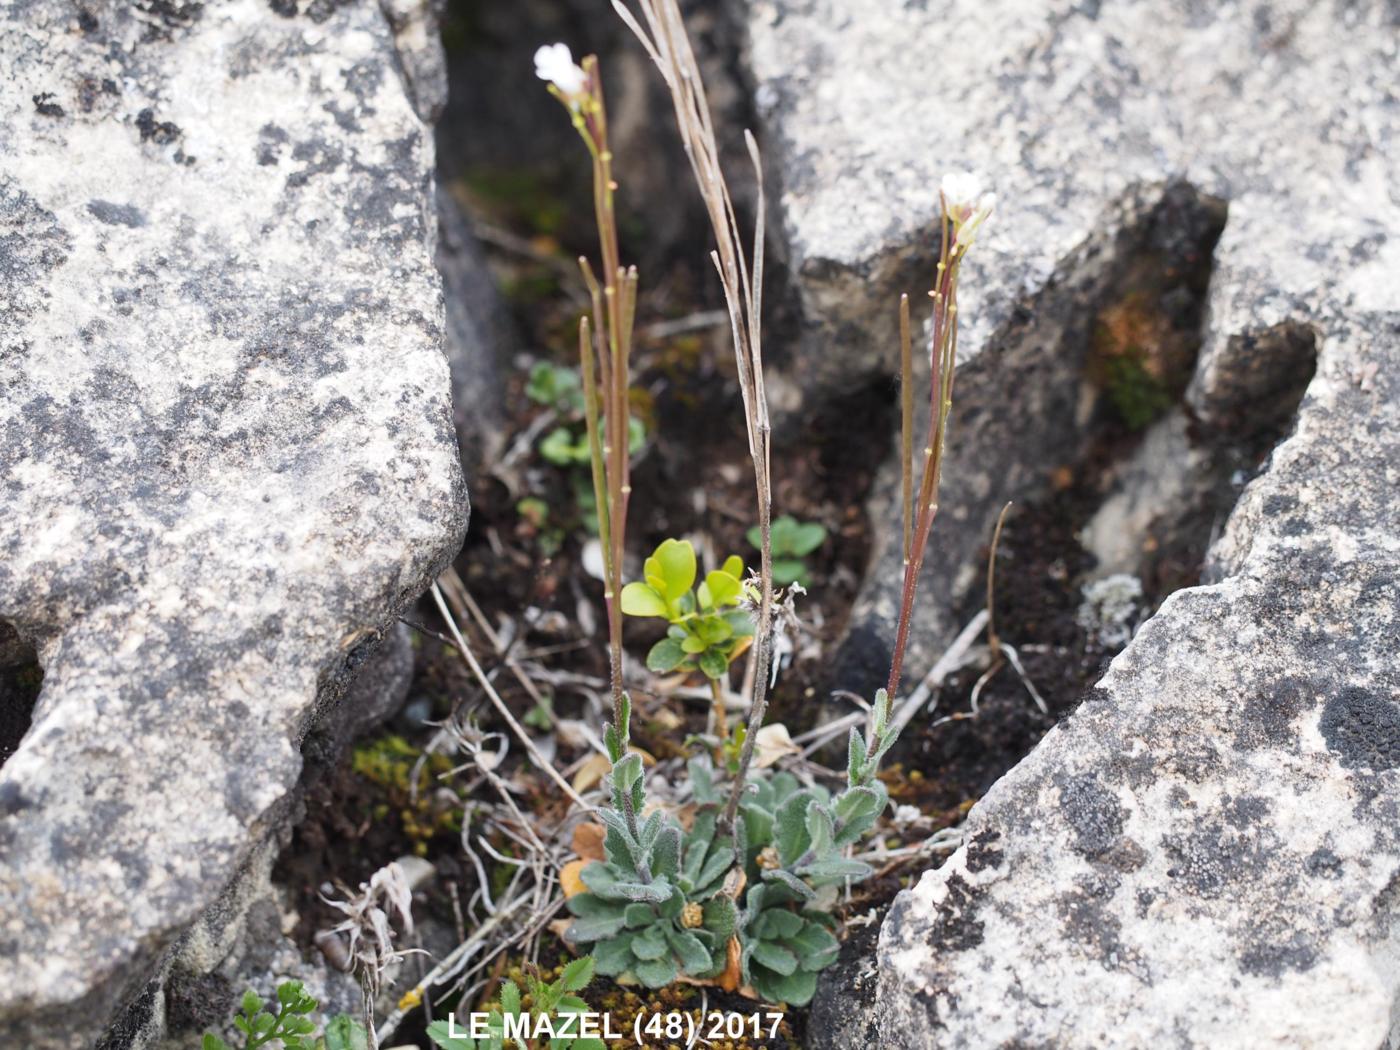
(226, 450)
(1206, 853)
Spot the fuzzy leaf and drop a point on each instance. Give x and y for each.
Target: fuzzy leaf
(790, 833)
(855, 754)
(817, 947)
(614, 955)
(775, 957)
(778, 924)
(650, 944)
(588, 928)
(795, 989)
(638, 915)
(673, 905)
(791, 882)
(666, 855)
(821, 828)
(656, 973)
(702, 780)
(833, 871)
(665, 656)
(640, 600)
(719, 862)
(721, 917)
(694, 957)
(605, 884)
(856, 811)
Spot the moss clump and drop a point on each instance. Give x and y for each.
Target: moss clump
(1132, 345)
(388, 762)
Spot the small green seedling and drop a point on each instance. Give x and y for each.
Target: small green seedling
(708, 626)
(792, 540)
(555, 386)
(541, 716)
(289, 1025)
(553, 1006)
(567, 447)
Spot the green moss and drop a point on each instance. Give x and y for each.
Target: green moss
(388, 762)
(1137, 396)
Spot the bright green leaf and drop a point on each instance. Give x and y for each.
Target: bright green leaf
(676, 560)
(724, 589)
(577, 974)
(640, 600)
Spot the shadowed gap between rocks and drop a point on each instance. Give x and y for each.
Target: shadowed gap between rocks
(1140, 490)
(21, 679)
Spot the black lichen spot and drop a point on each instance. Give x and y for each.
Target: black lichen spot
(1242, 813)
(981, 851)
(1269, 715)
(1093, 813)
(285, 8)
(1322, 863)
(162, 133)
(955, 927)
(45, 105)
(87, 21)
(271, 139)
(116, 214)
(1270, 955)
(1363, 729)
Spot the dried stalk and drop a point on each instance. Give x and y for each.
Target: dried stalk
(665, 40)
(541, 763)
(605, 347)
(943, 354)
(906, 412)
(993, 641)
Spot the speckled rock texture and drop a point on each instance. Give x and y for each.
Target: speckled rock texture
(226, 451)
(1079, 115)
(1206, 854)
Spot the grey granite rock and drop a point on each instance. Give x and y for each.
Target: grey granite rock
(1078, 115)
(226, 452)
(1206, 854)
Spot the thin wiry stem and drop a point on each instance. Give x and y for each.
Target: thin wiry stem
(541, 763)
(992, 640)
(943, 354)
(605, 347)
(906, 406)
(663, 35)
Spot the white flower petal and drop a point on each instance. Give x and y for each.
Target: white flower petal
(555, 63)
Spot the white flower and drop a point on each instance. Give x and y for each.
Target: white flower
(968, 205)
(555, 63)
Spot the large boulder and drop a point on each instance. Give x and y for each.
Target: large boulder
(1086, 119)
(226, 453)
(1206, 853)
